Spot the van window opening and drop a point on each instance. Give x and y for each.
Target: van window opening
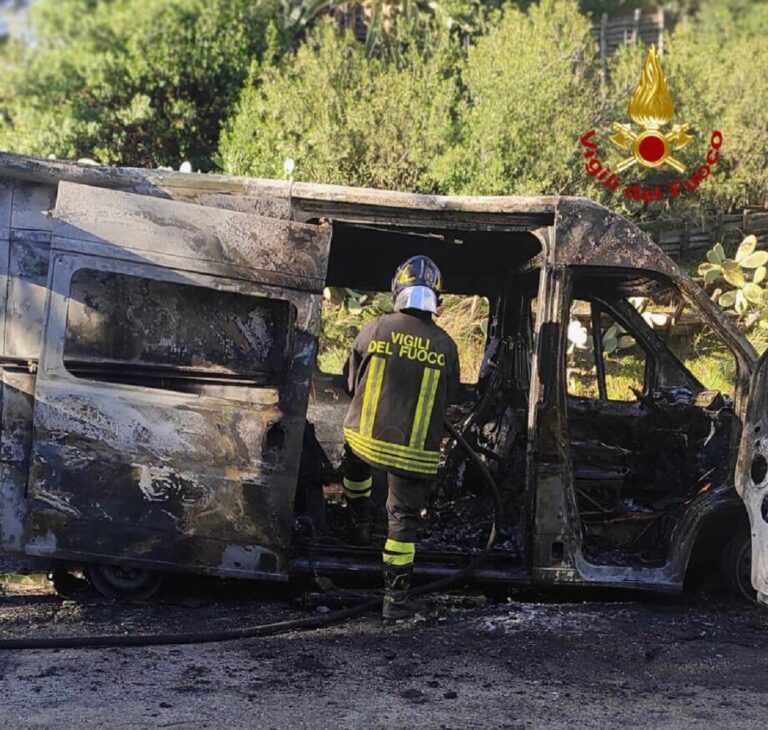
(663, 309)
(622, 359)
(654, 435)
(133, 330)
(475, 264)
(701, 350)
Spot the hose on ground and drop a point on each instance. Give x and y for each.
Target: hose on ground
(279, 627)
(498, 512)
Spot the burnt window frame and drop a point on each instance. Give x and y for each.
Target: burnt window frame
(597, 308)
(656, 363)
(66, 264)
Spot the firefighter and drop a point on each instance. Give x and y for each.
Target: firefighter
(402, 370)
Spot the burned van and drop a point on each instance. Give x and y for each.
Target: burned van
(164, 408)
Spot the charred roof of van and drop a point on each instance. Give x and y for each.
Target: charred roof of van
(281, 198)
(452, 219)
(568, 231)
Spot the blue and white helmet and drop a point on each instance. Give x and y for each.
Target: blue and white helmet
(417, 285)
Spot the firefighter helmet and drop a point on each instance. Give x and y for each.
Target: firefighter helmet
(417, 284)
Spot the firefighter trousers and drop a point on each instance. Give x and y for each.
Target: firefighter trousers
(405, 500)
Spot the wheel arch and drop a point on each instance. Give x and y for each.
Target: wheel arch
(711, 535)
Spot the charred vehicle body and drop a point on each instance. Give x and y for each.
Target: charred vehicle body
(162, 409)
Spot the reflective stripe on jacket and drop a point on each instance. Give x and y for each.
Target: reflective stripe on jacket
(401, 371)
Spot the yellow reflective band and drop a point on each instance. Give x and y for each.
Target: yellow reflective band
(398, 463)
(398, 553)
(428, 458)
(406, 452)
(357, 495)
(395, 463)
(371, 395)
(395, 546)
(355, 490)
(398, 559)
(424, 407)
(364, 486)
(391, 460)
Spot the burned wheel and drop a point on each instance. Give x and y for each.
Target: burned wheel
(126, 583)
(736, 567)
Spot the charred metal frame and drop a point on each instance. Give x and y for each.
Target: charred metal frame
(89, 230)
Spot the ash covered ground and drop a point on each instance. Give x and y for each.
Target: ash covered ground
(535, 661)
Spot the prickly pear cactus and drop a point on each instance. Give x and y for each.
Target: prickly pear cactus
(745, 272)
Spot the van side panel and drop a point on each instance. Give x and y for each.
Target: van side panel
(171, 397)
(18, 397)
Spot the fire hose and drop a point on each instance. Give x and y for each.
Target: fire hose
(280, 627)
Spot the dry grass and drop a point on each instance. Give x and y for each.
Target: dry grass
(464, 319)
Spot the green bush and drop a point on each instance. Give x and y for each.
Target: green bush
(718, 67)
(531, 92)
(424, 114)
(135, 82)
(348, 119)
(461, 97)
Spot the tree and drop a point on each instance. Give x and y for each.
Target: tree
(134, 82)
(420, 114)
(716, 65)
(531, 93)
(348, 119)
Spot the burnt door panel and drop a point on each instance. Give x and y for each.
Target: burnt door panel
(328, 405)
(752, 475)
(26, 294)
(191, 237)
(173, 385)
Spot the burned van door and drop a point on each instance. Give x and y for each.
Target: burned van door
(752, 475)
(172, 391)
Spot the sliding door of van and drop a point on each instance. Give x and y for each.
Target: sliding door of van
(172, 389)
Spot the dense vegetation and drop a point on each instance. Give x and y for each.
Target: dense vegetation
(134, 82)
(501, 111)
(458, 96)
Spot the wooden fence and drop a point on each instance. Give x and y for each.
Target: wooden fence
(354, 16)
(681, 239)
(647, 27)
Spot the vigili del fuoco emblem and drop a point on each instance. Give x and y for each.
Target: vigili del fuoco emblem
(651, 147)
(651, 107)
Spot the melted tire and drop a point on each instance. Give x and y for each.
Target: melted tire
(736, 566)
(125, 584)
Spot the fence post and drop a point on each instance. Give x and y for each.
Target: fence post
(660, 44)
(603, 49)
(719, 230)
(635, 25)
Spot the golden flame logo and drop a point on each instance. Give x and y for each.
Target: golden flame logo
(651, 107)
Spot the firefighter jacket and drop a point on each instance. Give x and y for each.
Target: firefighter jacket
(400, 373)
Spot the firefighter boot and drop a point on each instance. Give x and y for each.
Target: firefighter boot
(397, 604)
(360, 533)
